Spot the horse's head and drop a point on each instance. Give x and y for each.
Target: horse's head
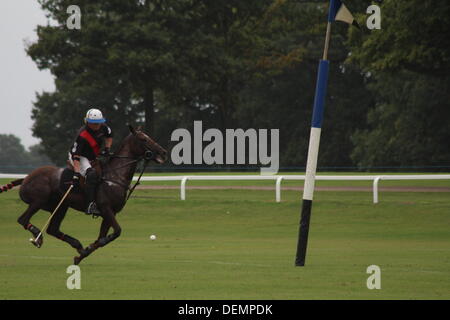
(142, 145)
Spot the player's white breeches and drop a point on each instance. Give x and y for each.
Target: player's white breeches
(84, 164)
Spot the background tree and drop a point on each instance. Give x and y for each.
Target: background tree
(251, 64)
(281, 94)
(12, 153)
(15, 158)
(408, 62)
(36, 156)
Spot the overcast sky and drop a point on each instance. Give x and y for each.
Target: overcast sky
(20, 79)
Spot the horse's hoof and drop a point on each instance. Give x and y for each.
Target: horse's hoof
(77, 260)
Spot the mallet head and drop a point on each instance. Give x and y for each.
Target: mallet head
(35, 243)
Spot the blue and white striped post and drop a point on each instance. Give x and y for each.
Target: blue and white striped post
(313, 150)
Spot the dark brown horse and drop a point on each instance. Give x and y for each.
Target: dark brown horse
(41, 190)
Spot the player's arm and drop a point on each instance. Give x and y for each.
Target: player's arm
(77, 150)
(76, 169)
(108, 139)
(108, 143)
(76, 163)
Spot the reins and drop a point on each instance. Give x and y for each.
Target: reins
(138, 180)
(148, 155)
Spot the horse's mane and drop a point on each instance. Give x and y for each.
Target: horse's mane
(123, 143)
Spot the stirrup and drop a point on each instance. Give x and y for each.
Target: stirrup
(92, 209)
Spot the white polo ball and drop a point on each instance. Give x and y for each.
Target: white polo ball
(152, 237)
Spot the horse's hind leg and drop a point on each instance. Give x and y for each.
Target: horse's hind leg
(53, 229)
(24, 220)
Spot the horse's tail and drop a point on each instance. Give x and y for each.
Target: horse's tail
(11, 185)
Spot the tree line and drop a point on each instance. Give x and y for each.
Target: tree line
(252, 64)
(14, 158)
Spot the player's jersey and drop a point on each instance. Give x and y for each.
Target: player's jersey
(89, 142)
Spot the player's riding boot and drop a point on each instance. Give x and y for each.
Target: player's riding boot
(91, 184)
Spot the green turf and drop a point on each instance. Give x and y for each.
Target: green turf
(239, 244)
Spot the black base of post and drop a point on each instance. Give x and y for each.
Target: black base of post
(303, 233)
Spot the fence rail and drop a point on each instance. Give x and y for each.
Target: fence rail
(277, 178)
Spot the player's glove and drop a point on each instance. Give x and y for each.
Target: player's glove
(106, 153)
(76, 180)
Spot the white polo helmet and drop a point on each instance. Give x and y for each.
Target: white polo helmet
(94, 116)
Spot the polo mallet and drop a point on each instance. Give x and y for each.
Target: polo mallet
(34, 241)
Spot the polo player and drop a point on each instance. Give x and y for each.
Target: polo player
(86, 148)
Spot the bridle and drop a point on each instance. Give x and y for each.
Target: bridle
(147, 157)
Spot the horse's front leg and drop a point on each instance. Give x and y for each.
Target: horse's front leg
(109, 220)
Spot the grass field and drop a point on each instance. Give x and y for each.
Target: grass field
(240, 244)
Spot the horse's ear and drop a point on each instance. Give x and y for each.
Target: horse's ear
(131, 129)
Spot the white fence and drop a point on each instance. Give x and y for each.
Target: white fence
(277, 178)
